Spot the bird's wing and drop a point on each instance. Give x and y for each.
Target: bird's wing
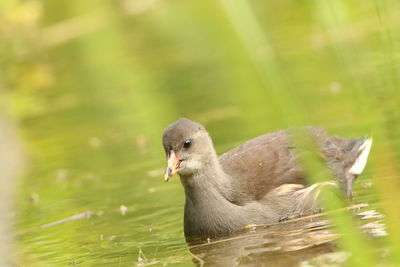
(262, 164)
(269, 161)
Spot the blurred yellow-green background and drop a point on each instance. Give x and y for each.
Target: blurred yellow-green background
(87, 87)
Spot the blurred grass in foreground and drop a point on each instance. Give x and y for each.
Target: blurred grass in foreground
(92, 86)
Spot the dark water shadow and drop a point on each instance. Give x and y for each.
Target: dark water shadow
(283, 244)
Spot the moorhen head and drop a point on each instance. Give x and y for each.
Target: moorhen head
(188, 148)
(256, 183)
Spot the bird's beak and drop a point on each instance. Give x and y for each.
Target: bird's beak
(172, 165)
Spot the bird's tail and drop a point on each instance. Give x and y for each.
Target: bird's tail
(362, 158)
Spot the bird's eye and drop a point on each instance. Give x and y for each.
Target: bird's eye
(187, 143)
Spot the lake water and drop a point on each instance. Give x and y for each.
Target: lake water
(126, 215)
(92, 86)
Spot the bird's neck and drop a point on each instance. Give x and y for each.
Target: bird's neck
(208, 207)
(210, 181)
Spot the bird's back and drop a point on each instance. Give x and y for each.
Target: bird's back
(262, 164)
(270, 160)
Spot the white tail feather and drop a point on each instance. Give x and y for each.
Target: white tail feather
(361, 161)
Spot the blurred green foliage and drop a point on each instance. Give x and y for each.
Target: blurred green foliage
(93, 83)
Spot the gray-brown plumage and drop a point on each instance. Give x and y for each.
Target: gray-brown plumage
(257, 182)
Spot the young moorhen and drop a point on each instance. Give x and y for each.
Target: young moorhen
(255, 183)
